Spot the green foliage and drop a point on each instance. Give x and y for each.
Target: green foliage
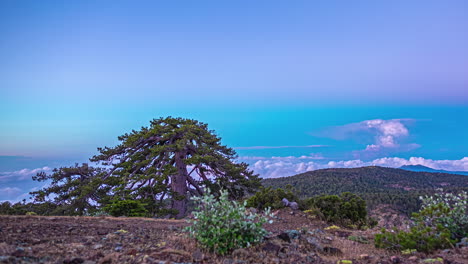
(347, 208)
(420, 237)
(23, 208)
(128, 208)
(75, 190)
(440, 223)
(221, 225)
(447, 209)
(376, 185)
(271, 198)
(158, 165)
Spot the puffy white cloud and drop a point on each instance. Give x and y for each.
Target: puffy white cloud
(381, 136)
(288, 166)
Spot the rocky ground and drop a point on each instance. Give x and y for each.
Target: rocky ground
(294, 238)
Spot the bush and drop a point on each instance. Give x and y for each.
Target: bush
(347, 208)
(221, 225)
(442, 221)
(421, 238)
(448, 209)
(268, 197)
(130, 208)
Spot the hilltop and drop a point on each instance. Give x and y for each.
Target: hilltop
(377, 185)
(427, 169)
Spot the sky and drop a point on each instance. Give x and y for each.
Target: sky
(292, 86)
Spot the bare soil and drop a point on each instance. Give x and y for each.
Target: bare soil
(40, 239)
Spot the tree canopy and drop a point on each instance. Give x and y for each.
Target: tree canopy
(168, 161)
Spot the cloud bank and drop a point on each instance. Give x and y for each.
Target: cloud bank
(288, 166)
(21, 175)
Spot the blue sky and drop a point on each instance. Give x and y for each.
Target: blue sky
(293, 86)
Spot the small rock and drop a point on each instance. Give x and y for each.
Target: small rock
(271, 247)
(288, 235)
(197, 255)
(240, 253)
(294, 205)
(332, 251)
(98, 246)
(291, 213)
(413, 258)
(395, 259)
(19, 252)
(364, 256)
(462, 243)
(74, 261)
(118, 248)
(314, 243)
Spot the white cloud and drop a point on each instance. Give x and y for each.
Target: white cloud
(275, 167)
(386, 136)
(23, 174)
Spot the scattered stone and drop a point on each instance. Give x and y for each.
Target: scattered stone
(314, 243)
(19, 252)
(102, 232)
(332, 251)
(118, 248)
(291, 213)
(271, 247)
(292, 205)
(197, 255)
(241, 253)
(74, 261)
(364, 256)
(395, 259)
(289, 234)
(413, 258)
(98, 246)
(462, 243)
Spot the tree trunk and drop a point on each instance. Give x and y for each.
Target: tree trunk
(179, 186)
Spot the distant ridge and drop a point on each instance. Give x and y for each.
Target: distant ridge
(427, 169)
(377, 185)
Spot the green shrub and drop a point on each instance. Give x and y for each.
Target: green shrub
(421, 238)
(268, 197)
(130, 208)
(221, 225)
(347, 209)
(442, 221)
(448, 209)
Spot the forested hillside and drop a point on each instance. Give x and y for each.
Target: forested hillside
(377, 185)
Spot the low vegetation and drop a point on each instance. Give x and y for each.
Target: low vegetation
(221, 225)
(128, 208)
(267, 197)
(441, 222)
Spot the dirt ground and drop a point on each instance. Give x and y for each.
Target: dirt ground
(40, 239)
